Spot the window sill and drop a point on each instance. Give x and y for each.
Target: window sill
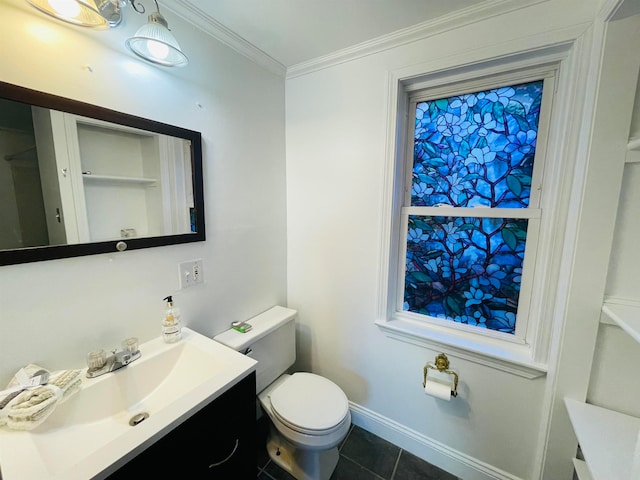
(515, 359)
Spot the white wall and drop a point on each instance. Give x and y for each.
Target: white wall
(336, 128)
(54, 312)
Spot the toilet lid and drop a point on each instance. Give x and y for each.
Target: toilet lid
(309, 402)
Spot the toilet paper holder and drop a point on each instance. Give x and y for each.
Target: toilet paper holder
(441, 365)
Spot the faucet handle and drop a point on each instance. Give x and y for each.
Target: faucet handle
(96, 360)
(130, 345)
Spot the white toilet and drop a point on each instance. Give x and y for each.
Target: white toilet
(309, 414)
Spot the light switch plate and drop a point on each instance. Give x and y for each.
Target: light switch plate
(190, 273)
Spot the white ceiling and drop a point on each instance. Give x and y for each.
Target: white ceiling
(295, 31)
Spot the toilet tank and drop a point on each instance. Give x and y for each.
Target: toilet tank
(271, 341)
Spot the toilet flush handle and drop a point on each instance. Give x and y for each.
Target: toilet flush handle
(248, 352)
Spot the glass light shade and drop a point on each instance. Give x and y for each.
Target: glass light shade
(84, 13)
(155, 43)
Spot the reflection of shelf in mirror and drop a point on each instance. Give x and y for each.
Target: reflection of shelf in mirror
(608, 440)
(90, 177)
(625, 315)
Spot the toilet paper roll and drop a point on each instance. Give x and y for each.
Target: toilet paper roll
(438, 389)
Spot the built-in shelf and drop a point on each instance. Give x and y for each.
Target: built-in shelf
(582, 471)
(634, 144)
(626, 316)
(90, 177)
(609, 441)
(633, 151)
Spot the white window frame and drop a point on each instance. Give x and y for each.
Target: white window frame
(526, 352)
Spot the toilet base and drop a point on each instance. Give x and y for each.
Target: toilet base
(301, 464)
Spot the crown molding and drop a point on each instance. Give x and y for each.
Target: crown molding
(490, 8)
(192, 14)
(467, 16)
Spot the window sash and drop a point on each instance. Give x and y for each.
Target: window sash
(524, 300)
(483, 212)
(546, 74)
(524, 330)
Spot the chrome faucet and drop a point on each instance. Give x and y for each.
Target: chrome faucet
(99, 363)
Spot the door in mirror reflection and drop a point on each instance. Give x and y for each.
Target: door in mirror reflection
(69, 179)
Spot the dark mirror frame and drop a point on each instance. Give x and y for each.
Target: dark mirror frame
(52, 252)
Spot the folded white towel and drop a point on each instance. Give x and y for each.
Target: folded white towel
(32, 407)
(21, 380)
(28, 408)
(69, 381)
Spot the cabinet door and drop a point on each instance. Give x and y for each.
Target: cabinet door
(59, 186)
(218, 442)
(226, 445)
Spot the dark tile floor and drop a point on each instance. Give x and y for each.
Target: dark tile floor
(363, 456)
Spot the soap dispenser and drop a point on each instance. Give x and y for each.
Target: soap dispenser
(171, 328)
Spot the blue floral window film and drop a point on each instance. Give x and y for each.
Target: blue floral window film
(477, 149)
(465, 269)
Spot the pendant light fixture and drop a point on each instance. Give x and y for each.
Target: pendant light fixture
(155, 43)
(84, 13)
(152, 42)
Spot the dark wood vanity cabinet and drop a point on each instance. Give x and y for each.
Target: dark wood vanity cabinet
(218, 442)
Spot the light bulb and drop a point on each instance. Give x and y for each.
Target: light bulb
(66, 8)
(157, 49)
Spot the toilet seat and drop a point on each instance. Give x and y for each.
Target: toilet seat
(310, 404)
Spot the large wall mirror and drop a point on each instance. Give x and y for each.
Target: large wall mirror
(77, 179)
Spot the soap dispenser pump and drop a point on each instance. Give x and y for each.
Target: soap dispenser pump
(171, 328)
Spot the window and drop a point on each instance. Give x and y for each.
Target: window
(469, 204)
(469, 215)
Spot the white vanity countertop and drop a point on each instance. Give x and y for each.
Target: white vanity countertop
(89, 436)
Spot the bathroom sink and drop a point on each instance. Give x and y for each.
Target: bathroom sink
(115, 416)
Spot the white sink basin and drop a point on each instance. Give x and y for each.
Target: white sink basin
(89, 435)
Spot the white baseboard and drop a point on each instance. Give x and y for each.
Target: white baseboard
(430, 450)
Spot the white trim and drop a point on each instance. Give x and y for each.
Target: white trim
(553, 47)
(195, 16)
(460, 85)
(508, 357)
(529, 317)
(473, 212)
(467, 16)
(422, 446)
(547, 47)
(474, 14)
(392, 197)
(556, 442)
(467, 332)
(532, 333)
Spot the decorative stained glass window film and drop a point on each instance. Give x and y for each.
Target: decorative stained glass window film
(471, 150)
(465, 269)
(477, 149)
